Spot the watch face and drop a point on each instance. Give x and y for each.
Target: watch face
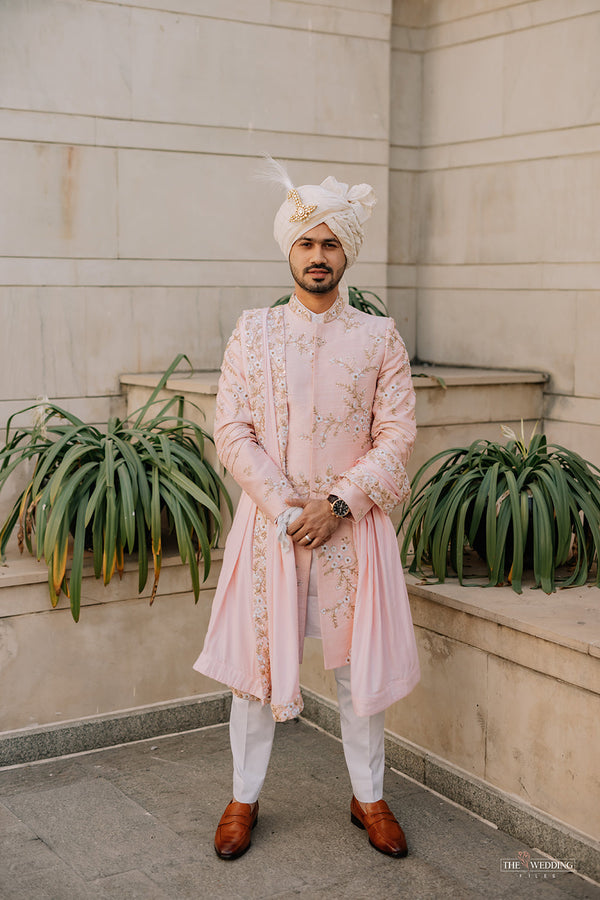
(340, 508)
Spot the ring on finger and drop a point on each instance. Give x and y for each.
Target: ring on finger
(308, 538)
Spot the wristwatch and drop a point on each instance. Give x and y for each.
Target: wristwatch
(339, 507)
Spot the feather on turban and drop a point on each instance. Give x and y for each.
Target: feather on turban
(344, 210)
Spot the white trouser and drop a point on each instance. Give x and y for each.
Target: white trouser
(252, 728)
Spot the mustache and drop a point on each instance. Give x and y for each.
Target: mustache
(320, 268)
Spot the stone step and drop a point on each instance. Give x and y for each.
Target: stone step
(455, 405)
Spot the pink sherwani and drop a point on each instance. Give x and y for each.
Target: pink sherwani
(305, 408)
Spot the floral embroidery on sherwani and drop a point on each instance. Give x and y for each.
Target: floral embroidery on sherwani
(276, 338)
(339, 561)
(381, 472)
(253, 343)
(321, 485)
(284, 711)
(260, 616)
(304, 346)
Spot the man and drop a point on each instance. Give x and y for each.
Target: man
(315, 421)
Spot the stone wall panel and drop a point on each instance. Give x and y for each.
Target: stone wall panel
(500, 328)
(58, 200)
(65, 56)
(229, 70)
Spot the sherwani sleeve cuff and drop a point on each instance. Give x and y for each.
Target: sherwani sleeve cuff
(359, 502)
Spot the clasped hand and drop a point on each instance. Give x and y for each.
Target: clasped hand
(315, 524)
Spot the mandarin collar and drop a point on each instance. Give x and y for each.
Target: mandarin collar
(332, 313)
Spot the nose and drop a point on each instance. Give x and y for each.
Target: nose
(318, 256)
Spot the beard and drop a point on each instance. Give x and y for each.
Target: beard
(305, 281)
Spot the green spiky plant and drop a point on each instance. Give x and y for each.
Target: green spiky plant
(110, 488)
(357, 299)
(509, 502)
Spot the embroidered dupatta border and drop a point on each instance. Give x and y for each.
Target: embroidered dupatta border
(253, 337)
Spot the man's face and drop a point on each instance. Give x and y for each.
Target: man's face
(317, 260)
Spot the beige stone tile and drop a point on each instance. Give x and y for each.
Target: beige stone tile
(168, 51)
(527, 212)
(365, 22)
(478, 404)
(508, 276)
(95, 410)
(345, 18)
(551, 634)
(587, 370)
(453, 23)
(402, 305)
(62, 200)
(238, 141)
(25, 590)
(27, 125)
(508, 148)
(77, 341)
(404, 218)
(238, 10)
(566, 408)
(567, 215)
(508, 329)
(551, 77)
(40, 343)
(449, 10)
(260, 11)
(406, 89)
(456, 105)
(447, 711)
(407, 38)
(96, 666)
(65, 57)
(409, 14)
(402, 276)
(575, 421)
(583, 438)
(270, 276)
(186, 206)
(405, 159)
(143, 329)
(542, 742)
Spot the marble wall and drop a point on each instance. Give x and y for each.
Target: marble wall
(495, 127)
(133, 225)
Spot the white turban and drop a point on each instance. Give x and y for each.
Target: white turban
(344, 210)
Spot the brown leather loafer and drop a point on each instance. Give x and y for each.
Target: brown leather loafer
(233, 831)
(382, 827)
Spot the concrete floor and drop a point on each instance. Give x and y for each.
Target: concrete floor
(137, 821)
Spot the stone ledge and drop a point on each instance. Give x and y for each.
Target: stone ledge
(196, 383)
(427, 376)
(80, 735)
(569, 617)
(455, 376)
(18, 572)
